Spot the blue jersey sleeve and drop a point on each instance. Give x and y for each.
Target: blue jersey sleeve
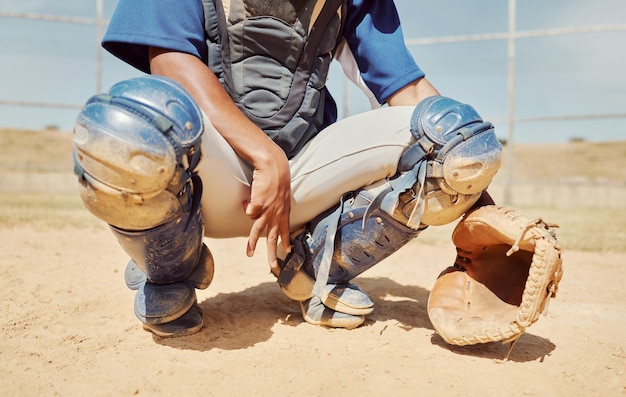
(138, 24)
(373, 32)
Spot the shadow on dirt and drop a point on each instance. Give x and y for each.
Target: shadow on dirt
(230, 319)
(529, 347)
(256, 310)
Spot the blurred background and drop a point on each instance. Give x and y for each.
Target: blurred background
(556, 68)
(545, 73)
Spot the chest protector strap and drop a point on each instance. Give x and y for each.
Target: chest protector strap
(274, 61)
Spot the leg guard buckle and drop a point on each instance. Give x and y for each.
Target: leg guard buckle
(337, 247)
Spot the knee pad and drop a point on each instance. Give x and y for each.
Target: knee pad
(135, 149)
(454, 159)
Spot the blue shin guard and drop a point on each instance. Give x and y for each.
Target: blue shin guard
(168, 263)
(336, 247)
(135, 153)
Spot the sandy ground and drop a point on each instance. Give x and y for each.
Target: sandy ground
(68, 330)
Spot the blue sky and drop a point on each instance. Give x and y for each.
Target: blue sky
(565, 75)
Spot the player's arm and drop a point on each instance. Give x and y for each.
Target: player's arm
(270, 200)
(412, 93)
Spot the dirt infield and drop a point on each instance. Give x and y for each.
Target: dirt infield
(68, 330)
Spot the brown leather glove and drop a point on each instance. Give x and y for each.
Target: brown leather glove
(506, 270)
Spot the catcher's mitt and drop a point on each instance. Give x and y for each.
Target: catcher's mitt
(506, 270)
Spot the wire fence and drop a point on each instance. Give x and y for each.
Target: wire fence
(512, 36)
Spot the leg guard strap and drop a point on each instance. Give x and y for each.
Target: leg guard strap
(345, 247)
(340, 245)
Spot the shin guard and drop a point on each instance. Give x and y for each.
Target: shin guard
(338, 246)
(135, 153)
(168, 263)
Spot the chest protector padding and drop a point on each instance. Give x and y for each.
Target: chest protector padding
(273, 58)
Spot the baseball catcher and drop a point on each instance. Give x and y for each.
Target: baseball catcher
(232, 132)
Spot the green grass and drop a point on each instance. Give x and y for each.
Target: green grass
(595, 230)
(580, 229)
(35, 151)
(588, 229)
(44, 210)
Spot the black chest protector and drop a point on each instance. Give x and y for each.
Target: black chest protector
(273, 59)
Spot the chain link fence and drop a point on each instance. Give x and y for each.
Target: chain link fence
(505, 189)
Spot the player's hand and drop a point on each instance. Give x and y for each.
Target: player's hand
(270, 204)
(270, 197)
